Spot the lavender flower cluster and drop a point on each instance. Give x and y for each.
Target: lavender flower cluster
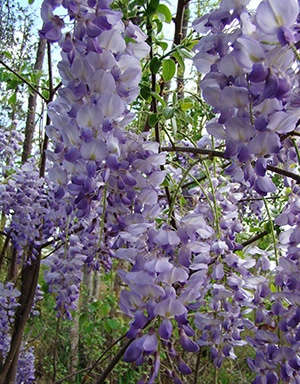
(251, 80)
(10, 146)
(103, 175)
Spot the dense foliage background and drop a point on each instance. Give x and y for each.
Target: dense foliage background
(150, 192)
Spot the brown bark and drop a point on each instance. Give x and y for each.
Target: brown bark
(29, 280)
(32, 101)
(51, 92)
(180, 34)
(179, 21)
(74, 336)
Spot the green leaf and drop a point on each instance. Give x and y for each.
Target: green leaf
(145, 92)
(162, 44)
(160, 99)
(45, 93)
(164, 12)
(174, 125)
(268, 227)
(83, 319)
(13, 98)
(186, 103)
(107, 327)
(113, 323)
(155, 64)
(191, 44)
(129, 39)
(185, 118)
(179, 59)
(240, 254)
(104, 309)
(255, 229)
(153, 119)
(168, 69)
(185, 53)
(89, 328)
(30, 2)
(13, 83)
(7, 54)
(151, 8)
(159, 25)
(168, 113)
(94, 307)
(174, 98)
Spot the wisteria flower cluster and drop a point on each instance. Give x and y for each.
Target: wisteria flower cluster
(175, 270)
(105, 176)
(251, 82)
(26, 203)
(10, 146)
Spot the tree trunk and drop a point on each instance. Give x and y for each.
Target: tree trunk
(29, 280)
(182, 35)
(30, 121)
(74, 336)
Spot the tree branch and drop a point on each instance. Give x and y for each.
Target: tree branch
(283, 172)
(196, 151)
(178, 20)
(254, 238)
(5, 246)
(30, 120)
(211, 153)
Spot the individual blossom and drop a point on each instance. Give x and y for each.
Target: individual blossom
(280, 19)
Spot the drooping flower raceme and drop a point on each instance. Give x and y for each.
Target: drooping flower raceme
(104, 176)
(10, 147)
(250, 82)
(109, 177)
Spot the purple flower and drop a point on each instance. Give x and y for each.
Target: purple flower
(277, 14)
(165, 329)
(186, 343)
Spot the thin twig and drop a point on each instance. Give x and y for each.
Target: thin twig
(55, 348)
(254, 238)
(197, 366)
(113, 363)
(100, 358)
(71, 375)
(23, 79)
